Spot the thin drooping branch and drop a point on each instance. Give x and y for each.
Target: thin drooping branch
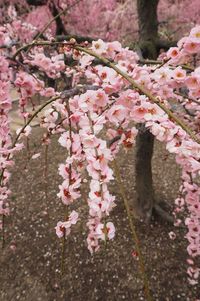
(70, 180)
(35, 43)
(112, 141)
(187, 97)
(25, 125)
(133, 232)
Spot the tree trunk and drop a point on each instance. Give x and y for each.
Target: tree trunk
(60, 29)
(147, 18)
(148, 34)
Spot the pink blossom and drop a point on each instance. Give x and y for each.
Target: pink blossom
(192, 82)
(179, 74)
(35, 156)
(105, 231)
(173, 53)
(63, 228)
(99, 46)
(73, 217)
(191, 45)
(69, 193)
(117, 114)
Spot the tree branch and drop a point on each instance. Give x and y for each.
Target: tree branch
(79, 39)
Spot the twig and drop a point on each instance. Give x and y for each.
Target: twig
(154, 62)
(78, 38)
(113, 140)
(9, 46)
(63, 246)
(70, 180)
(186, 97)
(3, 231)
(37, 43)
(46, 171)
(134, 233)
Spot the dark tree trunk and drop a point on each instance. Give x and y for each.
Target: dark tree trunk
(148, 27)
(143, 172)
(60, 29)
(148, 34)
(147, 18)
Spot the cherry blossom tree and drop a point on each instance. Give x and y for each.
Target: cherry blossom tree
(104, 86)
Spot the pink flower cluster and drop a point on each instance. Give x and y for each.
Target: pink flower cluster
(85, 122)
(64, 228)
(85, 149)
(52, 66)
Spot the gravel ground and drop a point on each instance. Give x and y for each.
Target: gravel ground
(31, 271)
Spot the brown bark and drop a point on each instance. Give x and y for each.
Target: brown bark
(143, 172)
(147, 18)
(60, 29)
(148, 33)
(148, 27)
